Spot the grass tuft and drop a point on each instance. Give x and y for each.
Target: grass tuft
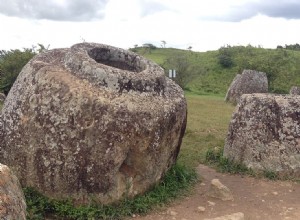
(215, 157)
(176, 183)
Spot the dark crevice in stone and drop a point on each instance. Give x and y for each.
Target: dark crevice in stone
(112, 58)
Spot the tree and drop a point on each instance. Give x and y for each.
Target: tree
(225, 57)
(11, 64)
(184, 71)
(148, 47)
(163, 44)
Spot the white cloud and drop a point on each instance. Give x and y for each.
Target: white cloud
(179, 23)
(60, 10)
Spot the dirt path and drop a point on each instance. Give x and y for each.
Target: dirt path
(256, 198)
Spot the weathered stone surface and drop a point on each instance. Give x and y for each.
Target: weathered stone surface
(12, 202)
(295, 90)
(219, 191)
(234, 216)
(92, 122)
(264, 133)
(250, 81)
(2, 97)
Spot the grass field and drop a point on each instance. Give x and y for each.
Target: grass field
(208, 119)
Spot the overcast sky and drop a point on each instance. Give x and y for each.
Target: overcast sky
(202, 24)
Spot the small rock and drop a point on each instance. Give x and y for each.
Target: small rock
(275, 193)
(220, 191)
(211, 203)
(172, 213)
(133, 215)
(202, 184)
(235, 216)
(201, 209)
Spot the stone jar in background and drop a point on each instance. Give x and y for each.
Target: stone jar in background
(92, 122)
(250, 81)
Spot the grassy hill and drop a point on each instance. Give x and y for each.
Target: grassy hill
(211, 77)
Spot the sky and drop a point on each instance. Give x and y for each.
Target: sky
(201, 24)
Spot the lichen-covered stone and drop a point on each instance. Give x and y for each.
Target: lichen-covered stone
(12, 202)
(295, 90)
(250, 81)
(264, 133)
(92, 122)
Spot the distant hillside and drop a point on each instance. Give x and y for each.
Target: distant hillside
(213, 71)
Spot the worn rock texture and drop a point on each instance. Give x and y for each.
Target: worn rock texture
(12, 202)
(295, 90)
(250, 81)
(92, 122)
(264, 133)
(2, 97)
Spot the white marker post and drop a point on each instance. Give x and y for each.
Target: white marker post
(172, 74)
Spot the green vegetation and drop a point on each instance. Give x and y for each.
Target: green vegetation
(214, 157)
(11, 64)
(208, 119)
(213, 71)
(175, 183)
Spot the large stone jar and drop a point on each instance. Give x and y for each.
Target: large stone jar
(264, 133)
(92, 122)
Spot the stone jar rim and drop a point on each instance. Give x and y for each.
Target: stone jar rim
(115, 68)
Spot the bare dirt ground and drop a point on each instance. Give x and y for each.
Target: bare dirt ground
(256, 198)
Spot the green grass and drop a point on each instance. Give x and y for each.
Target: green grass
(175, 183)
(207, 124)
(214, 157)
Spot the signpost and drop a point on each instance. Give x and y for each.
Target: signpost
(172, 74)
